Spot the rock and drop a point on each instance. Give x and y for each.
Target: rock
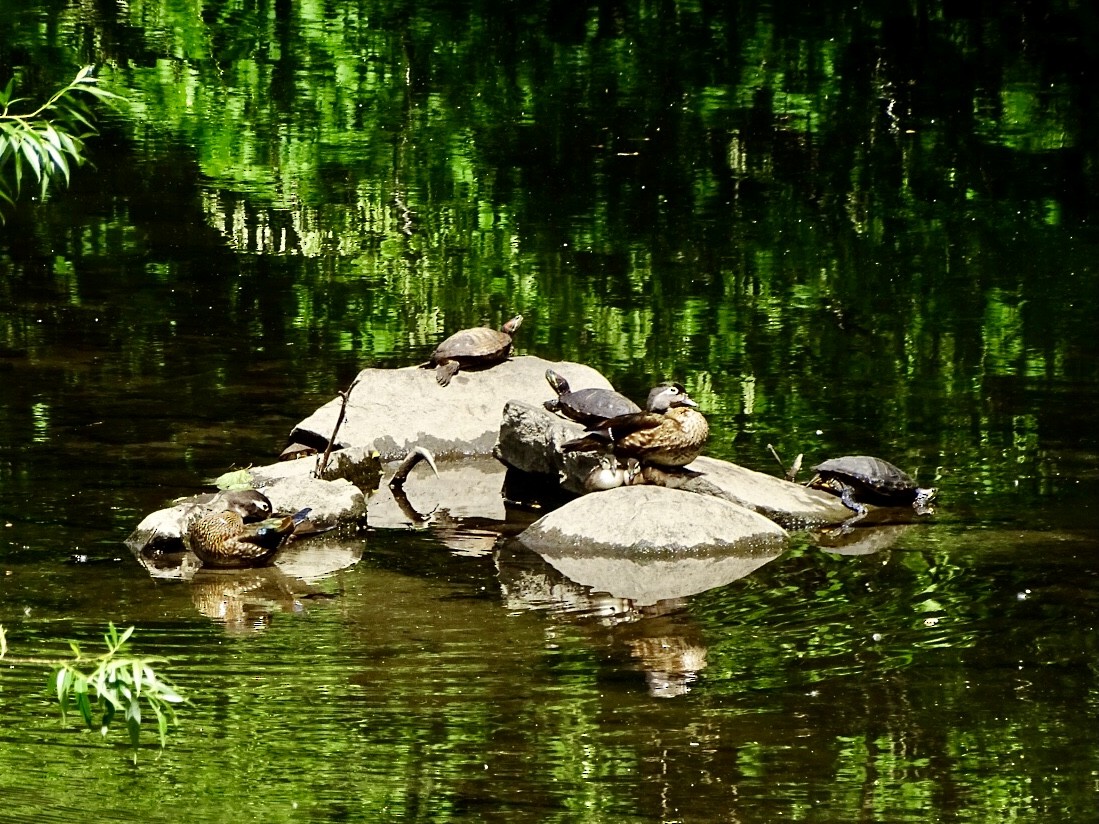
(360, 466)
(466, 490)
(649, 543)
(157, 542)
(334, 503)
(530, 440)
(393, 410)
(639, 521)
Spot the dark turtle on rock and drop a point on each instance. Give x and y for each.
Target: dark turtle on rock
(863, 479)
(480, 347)
(588, 406)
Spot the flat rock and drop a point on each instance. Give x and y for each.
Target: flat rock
(393, 410)
(530, 441)
(650, 521)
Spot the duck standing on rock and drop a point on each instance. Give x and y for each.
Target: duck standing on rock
(669, 433)
(479, 347)
(223, 540)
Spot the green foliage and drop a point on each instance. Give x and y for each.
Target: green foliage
(116, 684)
(237, 479)
(49, 140)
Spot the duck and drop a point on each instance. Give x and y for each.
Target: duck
(609, 475)
(669, 433)
(223, 540)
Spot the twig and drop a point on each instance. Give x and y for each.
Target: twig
(322, 461)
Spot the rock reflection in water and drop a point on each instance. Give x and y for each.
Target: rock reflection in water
(861, 541)
(657, 637)
(652, 577)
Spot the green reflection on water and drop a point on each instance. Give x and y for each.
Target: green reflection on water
(845, 229)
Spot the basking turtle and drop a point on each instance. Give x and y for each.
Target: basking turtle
(588, 406)
(862, 479)
(670, 433)
(479, 347)
(223, 540)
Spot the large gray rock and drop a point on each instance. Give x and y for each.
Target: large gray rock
(650, 521)
(394, 410)
(531, 437)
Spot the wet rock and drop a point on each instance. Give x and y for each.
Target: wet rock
(465, 490)
(359, 466)
(157, 542)
(394, 410)
(650, 522)
(530, 439)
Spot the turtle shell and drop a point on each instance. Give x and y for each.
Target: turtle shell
(872, 477)
(474, 345)
(587, 406)
(478, 347)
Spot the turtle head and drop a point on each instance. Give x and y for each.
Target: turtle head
(556, 382)
(513, 324)
(924, 499)
(666, 395)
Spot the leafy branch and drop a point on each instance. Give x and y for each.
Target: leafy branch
(116, 685)
(50, 139)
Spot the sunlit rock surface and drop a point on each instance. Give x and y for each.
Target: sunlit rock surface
(531, 437)
(394, 410)
(649, 521)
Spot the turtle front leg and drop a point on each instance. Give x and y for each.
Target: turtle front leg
(848, 499)
(446, 370)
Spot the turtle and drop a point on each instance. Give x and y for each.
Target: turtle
(670, 433)
(863, 479)
(588, 406)
(480, 347)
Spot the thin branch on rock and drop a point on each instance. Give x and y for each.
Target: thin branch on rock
(322, 461)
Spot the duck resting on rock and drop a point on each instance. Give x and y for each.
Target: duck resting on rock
(609, 475)
(224, 540)
(669, 433)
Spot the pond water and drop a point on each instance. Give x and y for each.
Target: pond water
(845, 230)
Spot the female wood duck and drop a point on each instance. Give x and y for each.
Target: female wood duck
(670, 432)
(223, 540)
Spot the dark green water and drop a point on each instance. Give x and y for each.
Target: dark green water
(846, 230)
